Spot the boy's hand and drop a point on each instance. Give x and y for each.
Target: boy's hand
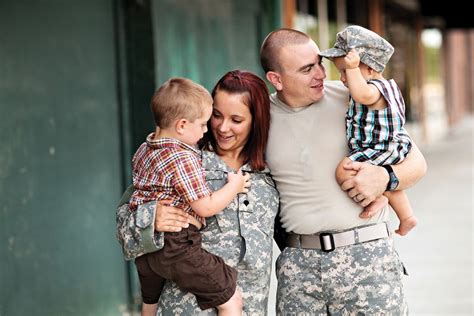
(241, 181)
(352, 59)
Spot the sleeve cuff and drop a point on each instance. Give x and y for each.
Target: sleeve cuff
(145, 221)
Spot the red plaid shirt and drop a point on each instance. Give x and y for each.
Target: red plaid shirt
(168, 169)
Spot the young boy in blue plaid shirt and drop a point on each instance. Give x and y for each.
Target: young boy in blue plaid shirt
(168, 167)
(376, 113)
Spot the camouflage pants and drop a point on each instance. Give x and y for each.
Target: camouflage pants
(361, 279)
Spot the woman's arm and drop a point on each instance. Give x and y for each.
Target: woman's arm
(136, 230)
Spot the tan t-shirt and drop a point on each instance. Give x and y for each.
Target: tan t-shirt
(304, 148)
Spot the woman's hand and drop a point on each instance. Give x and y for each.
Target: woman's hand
(169, 218)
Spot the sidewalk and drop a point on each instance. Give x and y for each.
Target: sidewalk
(438, 254)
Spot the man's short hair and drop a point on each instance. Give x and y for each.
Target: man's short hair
(274, 42)
(179, 98)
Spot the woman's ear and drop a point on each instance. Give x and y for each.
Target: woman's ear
(180, 126)
(275, 80)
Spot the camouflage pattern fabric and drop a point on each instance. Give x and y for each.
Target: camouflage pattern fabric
(361, 279)
(135, 231)
(242, 235)
(374, 50)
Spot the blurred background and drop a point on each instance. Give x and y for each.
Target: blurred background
(76, 78)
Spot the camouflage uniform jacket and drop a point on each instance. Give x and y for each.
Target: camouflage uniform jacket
(242, 235)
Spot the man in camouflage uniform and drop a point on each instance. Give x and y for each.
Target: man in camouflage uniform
(337, 260)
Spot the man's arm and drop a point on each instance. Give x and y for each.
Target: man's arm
(371, 181)
(412, 169)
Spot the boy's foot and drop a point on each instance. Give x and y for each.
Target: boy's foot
(406, 225)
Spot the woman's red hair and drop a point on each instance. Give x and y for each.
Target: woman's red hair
(256, 97)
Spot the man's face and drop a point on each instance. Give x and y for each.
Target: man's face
(302, 74)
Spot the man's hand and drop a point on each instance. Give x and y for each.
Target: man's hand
(170, 219)
(368, 184)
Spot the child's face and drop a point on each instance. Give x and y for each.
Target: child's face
(341, 66)
(195, 130)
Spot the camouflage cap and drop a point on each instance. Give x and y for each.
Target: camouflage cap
(374, 51)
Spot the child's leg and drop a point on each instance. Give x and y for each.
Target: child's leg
(199, 272)
(401, 205)
(232, 307)
(149, 309)
(151, 285)
(343, 174)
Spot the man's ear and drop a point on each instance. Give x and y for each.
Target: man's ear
(180, 126)
(275, 80)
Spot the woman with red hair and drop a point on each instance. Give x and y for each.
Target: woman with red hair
(243, 233)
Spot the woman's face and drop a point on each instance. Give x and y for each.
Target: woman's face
(231, 122)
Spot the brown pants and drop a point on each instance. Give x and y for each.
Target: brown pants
(192, 268)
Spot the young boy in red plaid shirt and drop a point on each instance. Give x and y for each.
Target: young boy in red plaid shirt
(168, 167)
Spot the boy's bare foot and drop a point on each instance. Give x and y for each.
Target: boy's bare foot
(406, 225)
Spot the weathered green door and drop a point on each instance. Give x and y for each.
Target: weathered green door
(60, 172)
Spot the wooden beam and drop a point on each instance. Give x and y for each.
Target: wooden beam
(420, 73)
(376, 16)
(323, 24)
(341, 14)
(289, 12)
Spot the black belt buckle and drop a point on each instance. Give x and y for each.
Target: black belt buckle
(322, 240)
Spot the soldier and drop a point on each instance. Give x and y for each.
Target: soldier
(242, 233)
(337, 260)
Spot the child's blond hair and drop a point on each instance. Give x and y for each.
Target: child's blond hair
(179, 98)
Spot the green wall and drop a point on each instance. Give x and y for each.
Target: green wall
(203, 40)
(76, 78)
(59, 167)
